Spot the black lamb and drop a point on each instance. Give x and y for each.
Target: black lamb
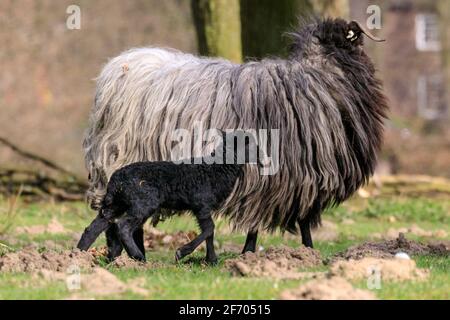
(143, 188)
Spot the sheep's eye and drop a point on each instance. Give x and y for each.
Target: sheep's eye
(351, 35)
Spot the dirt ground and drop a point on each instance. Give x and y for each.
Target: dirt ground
(30, 259)
(54, 227)
(156, 239)
(388, 249)
(333, 288)
(275, 262)
(393, 269)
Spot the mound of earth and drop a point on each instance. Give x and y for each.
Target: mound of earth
(388, 249)
(125, 262)
(333, 288)
(389, 269)
(54, 227)
(30, 259)
(101, 282)
(98, 252)
(276, 262)
(156, 239)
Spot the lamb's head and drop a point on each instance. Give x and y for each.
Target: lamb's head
(334, 39)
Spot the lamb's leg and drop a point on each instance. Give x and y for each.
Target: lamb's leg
(305, 230)
(130, 227)
(207, 231)
(250, 242)
(127, 226)
(138, 237)
(91, 233)
(115, 247)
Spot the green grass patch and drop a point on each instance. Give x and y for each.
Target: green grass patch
(191, 279)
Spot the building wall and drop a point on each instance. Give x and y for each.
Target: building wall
(400, 64)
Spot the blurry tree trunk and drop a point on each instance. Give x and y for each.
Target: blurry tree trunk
(218, 28)
(443, 8)
(265, 21)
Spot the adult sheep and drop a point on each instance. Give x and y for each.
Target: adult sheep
(324, 98)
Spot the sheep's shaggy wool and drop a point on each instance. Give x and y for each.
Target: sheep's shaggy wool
(324, 99)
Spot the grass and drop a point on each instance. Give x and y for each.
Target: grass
(191, 279)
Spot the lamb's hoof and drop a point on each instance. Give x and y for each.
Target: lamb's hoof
(178, 255)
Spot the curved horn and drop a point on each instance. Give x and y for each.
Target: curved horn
(368, 34)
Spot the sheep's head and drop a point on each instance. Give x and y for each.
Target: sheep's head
(330, 37)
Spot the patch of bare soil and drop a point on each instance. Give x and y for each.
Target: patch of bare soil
(54, 227)
(388, 249)
(124, 262)
(98, 252)
(389, 269)
(101, 282)
(30, 259)
(276, 262)
(393, 233)
(332, 288)
(156, 239)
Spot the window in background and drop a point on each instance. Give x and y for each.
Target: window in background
(430, 97)
(427, 32)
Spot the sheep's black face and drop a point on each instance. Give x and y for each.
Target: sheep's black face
(342, 34)
(330, 37)
(339, 34)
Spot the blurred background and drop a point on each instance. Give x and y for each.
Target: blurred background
(48, 70)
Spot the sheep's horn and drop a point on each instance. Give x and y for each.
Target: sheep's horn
(368, 34)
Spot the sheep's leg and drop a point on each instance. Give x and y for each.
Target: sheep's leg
(210, 252)
(207, 233)
(250, 242)
(305, 230)
(115, 247)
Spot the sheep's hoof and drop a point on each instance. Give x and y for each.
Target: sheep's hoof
(211, 261)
